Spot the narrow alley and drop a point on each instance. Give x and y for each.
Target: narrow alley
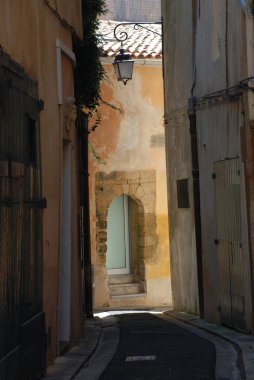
(152, 348)
(156, 345)
(127, 189)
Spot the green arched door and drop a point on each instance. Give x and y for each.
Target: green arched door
(118, 246)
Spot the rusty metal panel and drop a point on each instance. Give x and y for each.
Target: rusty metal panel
(229, 240)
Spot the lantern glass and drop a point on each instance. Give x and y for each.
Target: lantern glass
(123, 70)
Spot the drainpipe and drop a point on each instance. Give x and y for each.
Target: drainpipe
(249, 137)
(196, 195)
(85, 210)
(84, 217)
(195, 165)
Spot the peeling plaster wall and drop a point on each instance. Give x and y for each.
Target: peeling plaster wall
(131, 139)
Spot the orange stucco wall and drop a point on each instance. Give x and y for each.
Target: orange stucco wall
(28, 33)
(123, 141)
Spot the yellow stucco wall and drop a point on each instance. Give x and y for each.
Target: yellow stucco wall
(123, 141)
(28, 33)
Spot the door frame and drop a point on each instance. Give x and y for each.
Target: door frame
(65, 252)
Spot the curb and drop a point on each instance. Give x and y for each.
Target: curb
(243, 343)
(66, 367)
(105, 351)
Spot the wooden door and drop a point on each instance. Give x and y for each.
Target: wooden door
(229, 240)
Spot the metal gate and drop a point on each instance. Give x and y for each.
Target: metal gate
(229, 240)
(22, 342)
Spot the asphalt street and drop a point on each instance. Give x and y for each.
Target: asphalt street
(154, 349)
(155, 344)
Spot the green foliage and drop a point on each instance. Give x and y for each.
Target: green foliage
(97, 120)
(89, 71)
(95, 155)
(113, 106)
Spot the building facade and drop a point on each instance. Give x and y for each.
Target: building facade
(129, 224)
(133, 10)
(41, 298)
(208, 66)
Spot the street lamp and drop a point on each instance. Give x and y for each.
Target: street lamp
(123, 64)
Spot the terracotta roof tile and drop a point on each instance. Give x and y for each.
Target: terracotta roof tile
(141, 44)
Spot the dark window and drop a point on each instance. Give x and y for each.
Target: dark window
(183, 193)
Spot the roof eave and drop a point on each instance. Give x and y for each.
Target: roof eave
(139, 62)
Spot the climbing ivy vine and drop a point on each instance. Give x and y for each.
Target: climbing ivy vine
(89, 71)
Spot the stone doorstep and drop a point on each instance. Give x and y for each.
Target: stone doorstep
(120, 279)
(123, 285)
(121, 289)
(243, 343)
(130, 295)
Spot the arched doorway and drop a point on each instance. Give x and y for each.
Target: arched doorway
(138, 226)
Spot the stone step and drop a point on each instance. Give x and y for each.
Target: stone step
(129, 296)
(120, 279)
(125, 289)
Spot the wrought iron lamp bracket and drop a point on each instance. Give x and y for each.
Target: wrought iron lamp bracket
(123, 64)
(122, 36)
